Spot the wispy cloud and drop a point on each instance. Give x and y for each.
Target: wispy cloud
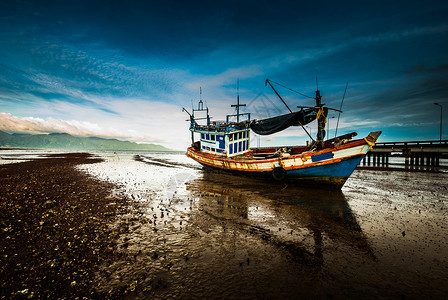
(11, 123)
(135, 120)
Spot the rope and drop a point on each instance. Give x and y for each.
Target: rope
(320, 113)
(291, 89)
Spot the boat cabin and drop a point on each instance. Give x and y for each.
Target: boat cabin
(222, 142)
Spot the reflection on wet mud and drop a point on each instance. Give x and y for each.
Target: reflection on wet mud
(296, 220)
(199, 234)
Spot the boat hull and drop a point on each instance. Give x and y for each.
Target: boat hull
(332, 166)
(335, 174)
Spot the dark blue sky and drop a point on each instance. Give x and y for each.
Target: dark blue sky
(126, 68)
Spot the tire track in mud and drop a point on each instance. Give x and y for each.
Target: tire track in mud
(162, 162)
(154, 163)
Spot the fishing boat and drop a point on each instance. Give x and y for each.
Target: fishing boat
(225, 145)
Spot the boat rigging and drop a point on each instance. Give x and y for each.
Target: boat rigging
(226, 145)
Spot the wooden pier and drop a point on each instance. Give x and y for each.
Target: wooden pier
(416, 153)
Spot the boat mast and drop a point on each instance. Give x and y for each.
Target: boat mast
(237, 105)
(321, 120)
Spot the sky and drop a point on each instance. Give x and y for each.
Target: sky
(125, 69)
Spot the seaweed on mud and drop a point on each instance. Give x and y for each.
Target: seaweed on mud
(55, 228)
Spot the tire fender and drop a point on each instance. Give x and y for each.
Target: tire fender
(279, 173)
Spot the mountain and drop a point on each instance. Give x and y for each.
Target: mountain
(67, 141)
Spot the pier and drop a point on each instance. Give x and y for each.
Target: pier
(416, 153)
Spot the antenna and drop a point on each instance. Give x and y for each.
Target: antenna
(238, 88)
(340, 108)
(317, 86)
(200, 105)
(238, 102)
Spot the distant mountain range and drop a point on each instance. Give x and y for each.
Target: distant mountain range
(67, 141)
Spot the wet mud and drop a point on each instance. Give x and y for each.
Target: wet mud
(216, 235)
(55, 227)
(210, 235)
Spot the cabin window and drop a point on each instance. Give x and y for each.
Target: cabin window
(230, 149)
(207, 136)
(240, 135)
(231, 137)
(203, 147)
(219, 150)
(235, 147)
(240, 146)
(221, 142)
(244, 145)
(202, 136)
(212, 137)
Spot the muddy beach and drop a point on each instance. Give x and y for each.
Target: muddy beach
(55, 227)
(141, 226)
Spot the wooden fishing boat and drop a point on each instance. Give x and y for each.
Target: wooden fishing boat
(226, 146)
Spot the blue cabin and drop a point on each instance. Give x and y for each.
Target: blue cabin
(229, 143)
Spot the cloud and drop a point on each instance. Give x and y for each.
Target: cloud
(51, 65)
(11, 123)
(425, 69)
(228, 76)
(277, 57)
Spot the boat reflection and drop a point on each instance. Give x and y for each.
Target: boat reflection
(298, 220)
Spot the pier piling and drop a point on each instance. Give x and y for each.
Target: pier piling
(416, 153)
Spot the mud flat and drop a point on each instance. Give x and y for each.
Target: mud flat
(55, 227)
(215, 235)
(186, 233)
